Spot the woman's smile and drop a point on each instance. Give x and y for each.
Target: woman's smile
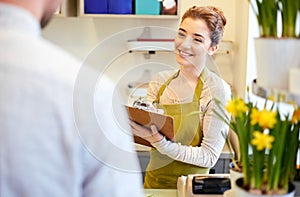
(184, 54)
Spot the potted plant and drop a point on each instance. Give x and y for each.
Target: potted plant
(272, 140)
(278, 43)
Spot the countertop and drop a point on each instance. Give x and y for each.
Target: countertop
(173, 193)
(160, 192)
(186, 189)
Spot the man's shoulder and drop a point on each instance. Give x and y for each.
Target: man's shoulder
(58, 62)
(62, 55)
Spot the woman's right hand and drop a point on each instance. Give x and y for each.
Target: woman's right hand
(151, 135)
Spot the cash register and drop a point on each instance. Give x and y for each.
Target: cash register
(203, 185)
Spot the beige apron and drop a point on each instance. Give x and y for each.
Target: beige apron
(162, 172)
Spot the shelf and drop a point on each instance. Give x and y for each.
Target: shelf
(281, 95)
(151, 45)
(81, 13)
(130, 16)
(165, 44)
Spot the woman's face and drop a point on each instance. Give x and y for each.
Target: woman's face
(192, 43)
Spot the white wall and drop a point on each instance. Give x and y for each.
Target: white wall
(80, 35)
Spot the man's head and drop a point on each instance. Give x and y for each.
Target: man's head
(42, 10)
(50, 7)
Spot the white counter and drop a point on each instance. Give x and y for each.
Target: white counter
(173, 193)
(160, 192)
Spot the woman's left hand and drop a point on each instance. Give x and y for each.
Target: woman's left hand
(151, 135)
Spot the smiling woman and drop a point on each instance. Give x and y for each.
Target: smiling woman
(188, 95)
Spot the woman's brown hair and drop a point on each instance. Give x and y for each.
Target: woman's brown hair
(212, 16)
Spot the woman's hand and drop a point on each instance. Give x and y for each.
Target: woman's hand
(151, 135)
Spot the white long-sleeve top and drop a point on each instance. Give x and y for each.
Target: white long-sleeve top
(48, 148)
(213, 128)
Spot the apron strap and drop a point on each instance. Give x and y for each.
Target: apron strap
(199, 86)
(163, 87)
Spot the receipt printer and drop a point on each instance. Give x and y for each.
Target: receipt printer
(203, 185)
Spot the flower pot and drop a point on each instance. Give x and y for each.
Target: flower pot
(274, 59)
(240, 191)
(297, 186)
(234, 175)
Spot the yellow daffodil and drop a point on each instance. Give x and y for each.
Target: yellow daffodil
(264, 125)
(296, 116)
(265, 118)
(255, 115)
(262, 141)
(236, 107)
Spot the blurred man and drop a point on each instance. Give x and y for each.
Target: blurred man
(46, 149)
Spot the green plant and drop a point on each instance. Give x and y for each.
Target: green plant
(273, 140)
(267, 12)
(289, 10)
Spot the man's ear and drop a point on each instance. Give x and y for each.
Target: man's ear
(213, 49)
